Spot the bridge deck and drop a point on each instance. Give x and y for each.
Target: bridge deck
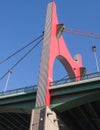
(76, 103)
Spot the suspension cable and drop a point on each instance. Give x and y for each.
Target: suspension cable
(6, 59)
(21, 58)
(82, 33)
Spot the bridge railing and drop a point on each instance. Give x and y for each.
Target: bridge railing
(75, 79)
(30, 89)
(20, 90)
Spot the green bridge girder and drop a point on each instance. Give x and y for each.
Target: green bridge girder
(63, 97)
(77, 104)
(67, 96)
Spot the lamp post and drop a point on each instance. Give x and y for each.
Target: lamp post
(96, 60)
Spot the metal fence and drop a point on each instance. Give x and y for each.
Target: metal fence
(30, 89)
(74, 79)
(20, 90)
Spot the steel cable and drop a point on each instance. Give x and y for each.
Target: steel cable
(6, 59)
(21, 58)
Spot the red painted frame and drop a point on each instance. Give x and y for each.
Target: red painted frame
(57, 49)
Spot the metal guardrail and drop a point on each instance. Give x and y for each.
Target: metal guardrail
(69, 80)
(30, 89)
(19, 90)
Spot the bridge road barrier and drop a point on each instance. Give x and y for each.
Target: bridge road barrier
(75, 79)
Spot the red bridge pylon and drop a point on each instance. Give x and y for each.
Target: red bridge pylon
(54, 47)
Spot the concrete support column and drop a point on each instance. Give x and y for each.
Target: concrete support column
(44, 119)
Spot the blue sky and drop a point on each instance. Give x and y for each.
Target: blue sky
(21, 21)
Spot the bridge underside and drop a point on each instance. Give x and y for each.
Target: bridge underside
(76, 104)
(14, 121)
(84, 117)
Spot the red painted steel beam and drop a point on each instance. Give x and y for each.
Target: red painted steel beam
(54, 47)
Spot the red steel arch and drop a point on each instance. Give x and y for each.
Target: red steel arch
(53, 48)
